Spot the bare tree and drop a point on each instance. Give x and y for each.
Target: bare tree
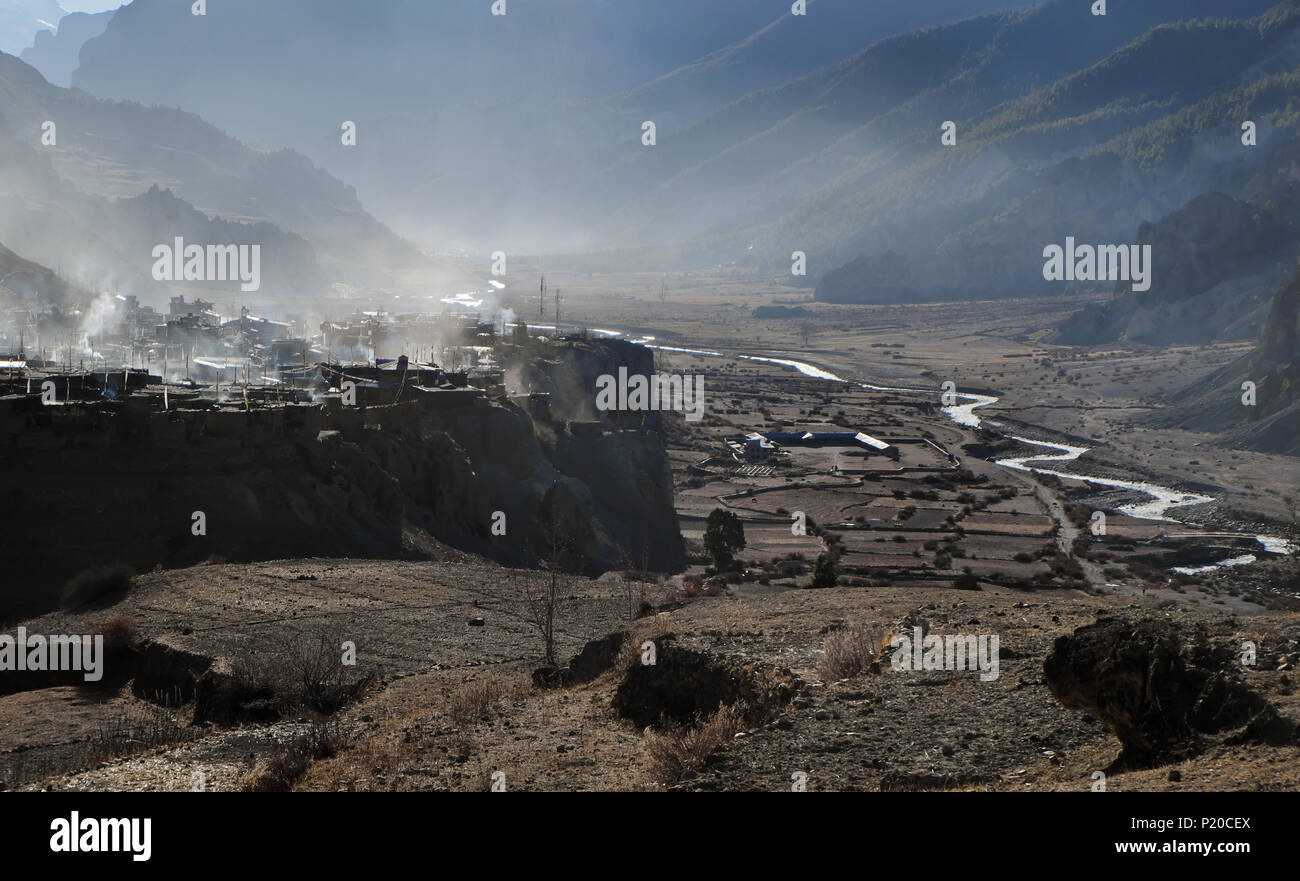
(542, 596)
(634, 577)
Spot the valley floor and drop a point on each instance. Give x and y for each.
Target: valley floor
(445, 650)
(450, 703)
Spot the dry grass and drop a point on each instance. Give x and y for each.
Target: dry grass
(473, 701)
(651, 629)
(307, 673)
(628, 657)
(846, 653)
(662, 624)
(317, 674)
(135, 730)
(286, 767)
(368, 764)
(677, 749)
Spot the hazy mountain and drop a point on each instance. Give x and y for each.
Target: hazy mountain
(21, 19)
(1217, 262)
(476, 130)
(1122, 141)
(121, 149)
(106, 245)
(1226, 269)
(786, 48)
(1272, 422)
(22, 281)
(56, 54)
(525, 132)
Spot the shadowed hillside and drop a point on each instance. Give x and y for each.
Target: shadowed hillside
(1272, 423)
(120, 150)
(473, 130)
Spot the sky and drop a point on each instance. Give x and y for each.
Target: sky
(21, 19)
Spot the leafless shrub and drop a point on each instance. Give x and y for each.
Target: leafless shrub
(542, 596)
(471, 702)
(634, 583)
(306, 673)
(134, 730)
(287, 766)
(118, 633)
(676, 749)
(318, 677)
(846, 653)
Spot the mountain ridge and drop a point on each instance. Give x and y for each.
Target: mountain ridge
(56, 54)
(121, 150)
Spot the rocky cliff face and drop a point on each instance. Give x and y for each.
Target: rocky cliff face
(622, 471)
(57, 54)
(1215, 263)
(1279, 340)
(568, 372)
(1274, 423)
(102, 483)
(1214, 404)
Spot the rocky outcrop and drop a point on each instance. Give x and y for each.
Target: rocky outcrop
(1279, 340)
(1213, 260)
(597, 657)
(165, 675)
(119, 483)
(684, 686)
(1272, 424)
(57, 54)
(1159, 690)
(568, 372)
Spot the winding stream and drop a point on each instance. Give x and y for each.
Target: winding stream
(1162, 498)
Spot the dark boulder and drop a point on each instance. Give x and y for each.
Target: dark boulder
(1158, 690)
(165, 675)
(685, 686)
(597, 657)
